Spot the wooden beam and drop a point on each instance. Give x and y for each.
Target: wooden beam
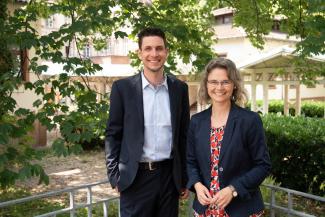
(268, 70)
(289, 82)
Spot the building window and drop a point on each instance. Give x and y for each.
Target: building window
(224, 19)
(110, 46)
(67, 51)
(227, 19)
(49, 22)
(86, 51)
(277, 25)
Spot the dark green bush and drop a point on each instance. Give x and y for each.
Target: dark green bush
(313, 109)
(308, 108)
(297, 149)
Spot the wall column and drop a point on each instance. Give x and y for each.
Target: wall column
(265, 93)
(298, 100)
(253, 91)
(286, 97)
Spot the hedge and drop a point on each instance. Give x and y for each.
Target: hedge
(297, 150)
(308, 108)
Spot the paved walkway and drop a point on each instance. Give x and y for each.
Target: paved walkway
(71, 171)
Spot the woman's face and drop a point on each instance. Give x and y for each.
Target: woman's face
(219, 87)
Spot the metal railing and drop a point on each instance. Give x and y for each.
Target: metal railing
(73, 205)
(289, 210)
(90, 203)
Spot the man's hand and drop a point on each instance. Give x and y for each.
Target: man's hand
(203, 194)
(184, 194)
(116, 190)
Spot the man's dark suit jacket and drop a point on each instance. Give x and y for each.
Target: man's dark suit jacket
(125, 130)
(244, 161)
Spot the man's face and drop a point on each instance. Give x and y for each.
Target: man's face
(153, 54)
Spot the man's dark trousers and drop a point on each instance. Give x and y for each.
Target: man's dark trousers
(152, 194)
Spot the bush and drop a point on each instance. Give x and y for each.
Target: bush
(308, 108)
(313, 109)
(296, 146)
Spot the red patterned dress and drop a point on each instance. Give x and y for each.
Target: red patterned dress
(216, 136)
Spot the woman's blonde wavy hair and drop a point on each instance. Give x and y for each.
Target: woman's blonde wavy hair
(239, 95)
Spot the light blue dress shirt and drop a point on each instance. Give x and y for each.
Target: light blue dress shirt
(157, 121)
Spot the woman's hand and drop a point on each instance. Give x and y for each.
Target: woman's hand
(223, 197)
(203, 194)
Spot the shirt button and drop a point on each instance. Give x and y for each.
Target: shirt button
(221, 169)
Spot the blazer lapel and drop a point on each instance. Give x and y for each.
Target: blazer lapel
(206, 131)
(231, 123)
(173, 99)
(137, 82)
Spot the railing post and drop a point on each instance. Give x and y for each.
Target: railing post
(189, 206)
(289, 204)
(89, 201)
(72, 204)
(119, 208)
(272, 203)
(105, 209)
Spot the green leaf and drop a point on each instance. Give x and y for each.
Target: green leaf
(37, 103)
(42, 68)
(120, 34)
(28, 85)
(81, 71)
(25, 172)
(39, 90)
(3, 161)
(59, 148)
(7, 178)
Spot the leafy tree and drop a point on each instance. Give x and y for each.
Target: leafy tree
(190, 35)
(302, 18)
(188, 27)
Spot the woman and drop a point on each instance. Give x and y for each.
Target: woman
(227, 157)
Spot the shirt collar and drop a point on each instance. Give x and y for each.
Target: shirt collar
(146, 83)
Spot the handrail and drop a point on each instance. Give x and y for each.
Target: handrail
(49, 194)
(73, 206)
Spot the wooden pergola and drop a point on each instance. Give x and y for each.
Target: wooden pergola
(276, 68)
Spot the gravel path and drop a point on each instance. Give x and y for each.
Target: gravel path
(71, 171)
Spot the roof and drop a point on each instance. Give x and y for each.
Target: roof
(109, 70)
(278, 57)
(222, 11)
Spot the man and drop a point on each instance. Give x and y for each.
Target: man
(146, 134)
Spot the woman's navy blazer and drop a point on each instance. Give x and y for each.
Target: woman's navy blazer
(244, 160)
